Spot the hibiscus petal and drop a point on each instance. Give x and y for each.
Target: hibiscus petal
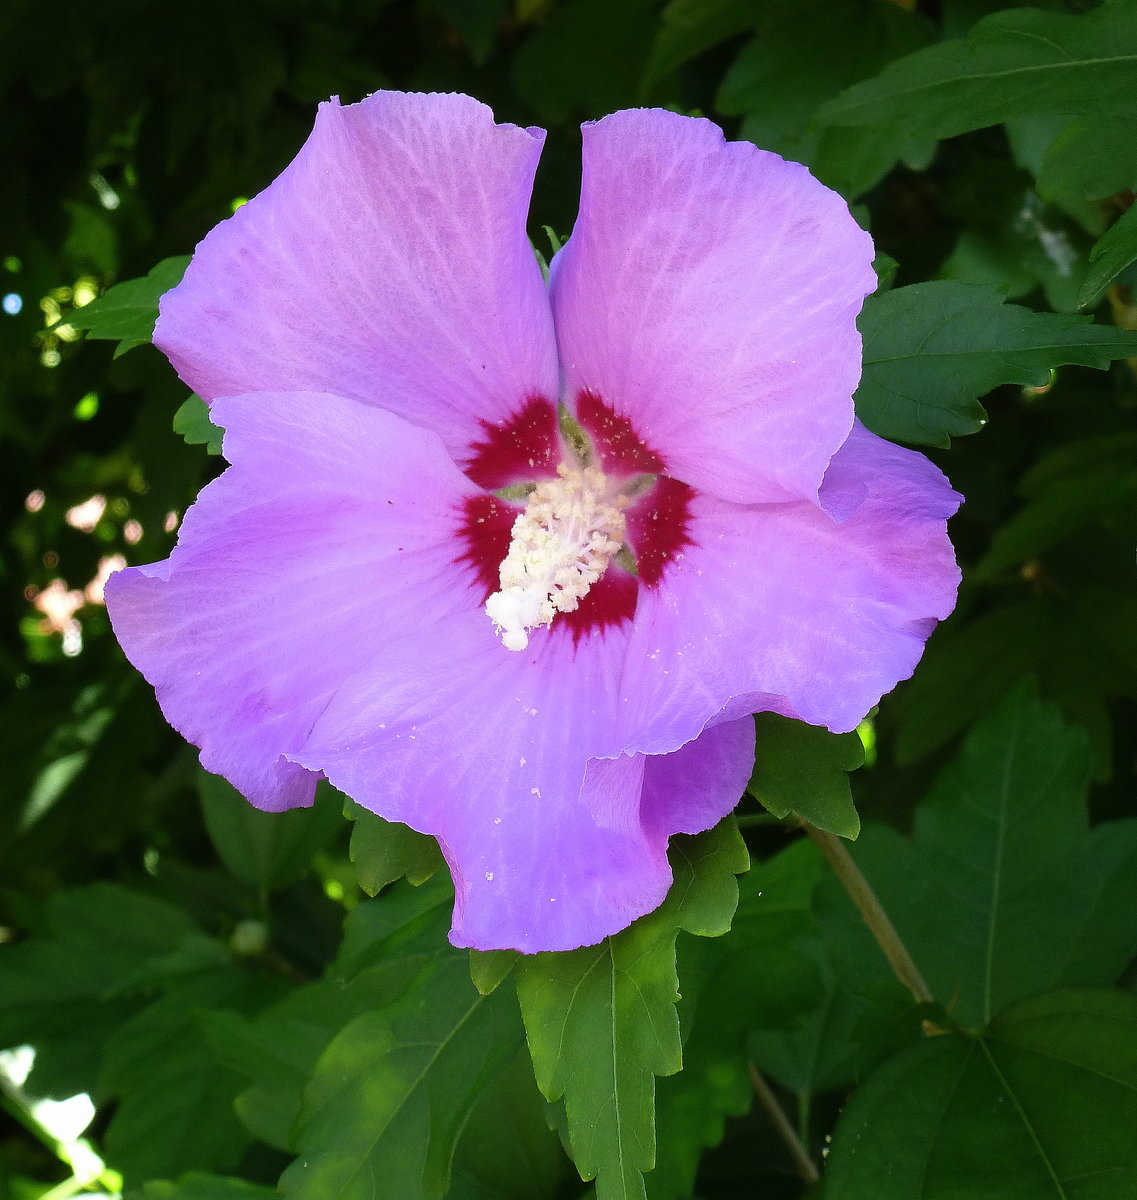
(288, 569)
(709, 294)
(490, 753)
(785, 607)
(389, 263)
(693, 788)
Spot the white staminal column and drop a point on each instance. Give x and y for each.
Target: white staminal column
(562, 543)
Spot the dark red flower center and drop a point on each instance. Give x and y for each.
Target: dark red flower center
(527, 448)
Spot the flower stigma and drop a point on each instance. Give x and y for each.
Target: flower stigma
(571, 529)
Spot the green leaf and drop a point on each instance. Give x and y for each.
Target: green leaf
(265, 850)
(601, 1021)
(1115, 250)
(855, 992)
(490, 968)
(689, 27)
(392, 1092)
(383, 851)
(126, 313)
(933, 348)
(507, 1150)
(1082, 482)
(587, 60)
(97, 941)
(276, 1051)
(198, 1186)
(1041, 1104)
(1001, 887)
(804, 769)
(192, 423)
(758, 976)
(175, 1110)
(1011, 64)
(780, 79)
(1093, 157)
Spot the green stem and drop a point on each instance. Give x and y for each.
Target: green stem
(870, 909)
(806, 1167)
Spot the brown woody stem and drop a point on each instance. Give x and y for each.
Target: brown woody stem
(806, 1167)
(870, 909)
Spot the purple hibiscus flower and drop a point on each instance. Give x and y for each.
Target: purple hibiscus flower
(511, 563)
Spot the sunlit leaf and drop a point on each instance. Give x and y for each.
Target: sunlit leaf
(192, 423)
(932, 349)
(1041, 1104)
(392, 1092)
(1011, 64)
(126, 313)
(601, 1021)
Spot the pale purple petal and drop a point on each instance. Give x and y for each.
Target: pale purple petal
(490, 753)
(693, 788)
(389, 263)
(781, 606)
(288, 568)
(709, 293)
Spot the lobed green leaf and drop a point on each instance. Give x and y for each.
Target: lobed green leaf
(1013, 63)
(804, 769)
(192, 423)
(384, 851)
(127, 312)
(1041, 1104)
(1002, 883)
(932, 349)
(391, 1094)
(601, 1021)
